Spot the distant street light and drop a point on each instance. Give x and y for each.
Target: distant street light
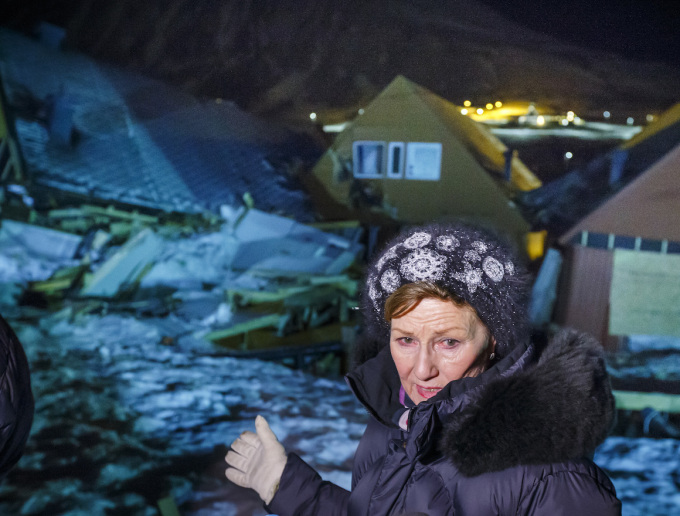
(606, 115)
(480, 111)
(489, 106)
(312, 116)
(498, 103)
(568, 155)
(467, 103)
(630, 120)
(464, 111)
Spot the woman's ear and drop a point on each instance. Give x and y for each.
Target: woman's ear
(492, 348)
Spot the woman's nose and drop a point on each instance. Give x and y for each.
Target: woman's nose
(425, 366)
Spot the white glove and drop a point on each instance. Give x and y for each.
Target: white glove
(257, 460)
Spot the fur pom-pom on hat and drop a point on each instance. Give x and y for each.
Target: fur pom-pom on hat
(474, 264)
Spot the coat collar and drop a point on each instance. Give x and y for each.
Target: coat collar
(534, 406)
(376, 385)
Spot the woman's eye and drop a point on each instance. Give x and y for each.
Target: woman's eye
(406, 340)
(450, 342)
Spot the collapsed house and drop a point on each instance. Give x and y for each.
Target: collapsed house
(87, 131)
(411, 156)
(259, 286)
(109, 171)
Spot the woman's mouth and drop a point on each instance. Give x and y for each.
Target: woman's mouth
(427, 392)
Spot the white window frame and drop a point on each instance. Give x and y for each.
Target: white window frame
(416, 169)
(390, 173)
(357, 167)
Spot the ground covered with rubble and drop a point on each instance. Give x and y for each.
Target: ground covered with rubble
(136, 407)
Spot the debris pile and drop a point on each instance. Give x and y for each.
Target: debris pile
(257, 284)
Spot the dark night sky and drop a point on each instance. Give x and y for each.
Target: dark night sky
(638, 29)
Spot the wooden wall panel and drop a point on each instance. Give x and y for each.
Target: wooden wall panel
(583, 297)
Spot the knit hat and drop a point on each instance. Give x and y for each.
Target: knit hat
(476, 265)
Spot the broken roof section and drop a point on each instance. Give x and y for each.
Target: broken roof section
(100, 132)
(559, 205)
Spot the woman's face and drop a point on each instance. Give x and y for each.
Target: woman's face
(435, 343)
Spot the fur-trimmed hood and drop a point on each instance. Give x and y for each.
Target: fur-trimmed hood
(536, 406)
(561, 408)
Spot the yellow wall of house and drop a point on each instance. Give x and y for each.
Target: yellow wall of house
(465, 189)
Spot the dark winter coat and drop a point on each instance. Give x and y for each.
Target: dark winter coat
(16, 399)
(513, 441)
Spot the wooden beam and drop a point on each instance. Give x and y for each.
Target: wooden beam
(167, 507)
(630, 400)
(271, 320)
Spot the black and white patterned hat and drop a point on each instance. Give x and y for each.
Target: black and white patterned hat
(473, 263)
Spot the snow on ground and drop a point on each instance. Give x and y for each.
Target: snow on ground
(130, 410)
(645, 472)
(123, 419)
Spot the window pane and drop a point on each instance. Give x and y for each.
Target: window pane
(423, 161)
(368, 158)
(395, 162)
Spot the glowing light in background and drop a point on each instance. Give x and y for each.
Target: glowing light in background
(570, 116)
(312, 116)
(650, 118)
(464, 111)
(467, 103)
(361, 111)
(630, 120)
(564, 122)
(568, 155)
(606, 115)
(480, 111)
(489, 106)
(540, 120)
(498, 103)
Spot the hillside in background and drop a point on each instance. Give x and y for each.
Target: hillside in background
(286, 59)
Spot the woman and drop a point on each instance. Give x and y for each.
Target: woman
(468, 416)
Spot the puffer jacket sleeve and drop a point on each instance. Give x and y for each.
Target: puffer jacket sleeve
(17, 405)
(566, 493)
(302, 492)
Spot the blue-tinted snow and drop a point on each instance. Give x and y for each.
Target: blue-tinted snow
(130, 410)
(118, 413)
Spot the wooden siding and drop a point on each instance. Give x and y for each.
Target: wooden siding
(583, 302)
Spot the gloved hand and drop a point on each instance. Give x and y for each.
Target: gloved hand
(257, 460)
